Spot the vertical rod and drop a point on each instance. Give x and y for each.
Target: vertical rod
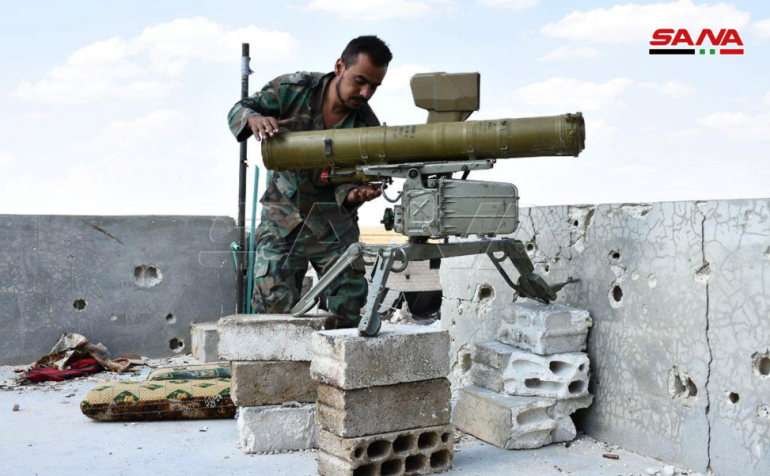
(242, 183)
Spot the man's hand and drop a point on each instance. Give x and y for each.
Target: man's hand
(265, 127)
(363, 193)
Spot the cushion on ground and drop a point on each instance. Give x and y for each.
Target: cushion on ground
(220, 370)
(180, 399)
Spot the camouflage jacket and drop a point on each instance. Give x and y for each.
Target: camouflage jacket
(294, 197)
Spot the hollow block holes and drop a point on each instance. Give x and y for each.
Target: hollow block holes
(408, 455)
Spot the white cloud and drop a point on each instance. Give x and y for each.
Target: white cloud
(512, 4)
(565, 94)
(138, 134)
(687, 133)
(393, 102)
(6, 158)
(762, 28)
(633, 22)
(398, 77)
(766, 99)
(39, 116)
(739, 126)
(571, 52)
(145, 165)
(374, 10)
(672, 89)
(149, 66)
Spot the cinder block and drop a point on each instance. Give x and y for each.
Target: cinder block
(544, 328)
(555, 376)
(511, 423)
(287, 427)
(268, 336)
(489, 360)
(561, 413)
(373, 410)
(205, 340)
(412, 452)
(398, 354)
(271, 383)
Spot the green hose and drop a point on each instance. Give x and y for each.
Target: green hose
(252, 251)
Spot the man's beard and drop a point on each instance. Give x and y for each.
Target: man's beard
(339, 95)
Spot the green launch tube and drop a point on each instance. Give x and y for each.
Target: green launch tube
(562, 135)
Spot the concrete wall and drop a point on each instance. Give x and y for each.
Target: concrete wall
(679, 294)
(416, 277)
(133, 283)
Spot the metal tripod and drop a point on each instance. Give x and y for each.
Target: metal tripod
(529, 284)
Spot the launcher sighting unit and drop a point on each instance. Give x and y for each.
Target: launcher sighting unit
(433, 205)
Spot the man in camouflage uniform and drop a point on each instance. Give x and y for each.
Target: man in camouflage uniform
(304, 219)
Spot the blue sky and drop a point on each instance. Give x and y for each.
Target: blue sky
(119, 108)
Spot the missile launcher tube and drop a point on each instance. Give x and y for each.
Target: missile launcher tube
(562, 135)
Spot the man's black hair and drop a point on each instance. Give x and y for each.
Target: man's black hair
(375, 48)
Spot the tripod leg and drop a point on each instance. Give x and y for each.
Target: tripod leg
(306, 303)
(370, 322)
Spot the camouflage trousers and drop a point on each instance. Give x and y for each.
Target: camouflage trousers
(281, 264)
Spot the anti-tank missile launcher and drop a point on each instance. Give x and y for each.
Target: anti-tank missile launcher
(433, 204)
(340, 151)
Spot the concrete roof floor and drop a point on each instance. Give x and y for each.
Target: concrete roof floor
(49, 435)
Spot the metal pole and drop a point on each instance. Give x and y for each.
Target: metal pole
(245, 71)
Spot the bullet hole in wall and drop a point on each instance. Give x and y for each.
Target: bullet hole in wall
(681, 387)
(147, 276)
(176, 344)
(761, 364)
(485, 292)
(79, 304)
(617, 293)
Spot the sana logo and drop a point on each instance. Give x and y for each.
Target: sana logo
(726, 42)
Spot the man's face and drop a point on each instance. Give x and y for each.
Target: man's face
(358, 82)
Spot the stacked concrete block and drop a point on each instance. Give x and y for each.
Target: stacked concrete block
(384, 402)
(561, 413)
(488, 361)
(512, 423)
(526, 385)
(554, 376)
(544, 329)
(205, 342)
(271, 385)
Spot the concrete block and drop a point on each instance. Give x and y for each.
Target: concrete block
(268, 336)
(398, 354)
(288, 427)
(508, 422)
(373, 410)
(555, 376)
(544, 328)
(205, 341)
(489, 360)
(412, 452)
(561, 413)
(271, 383)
